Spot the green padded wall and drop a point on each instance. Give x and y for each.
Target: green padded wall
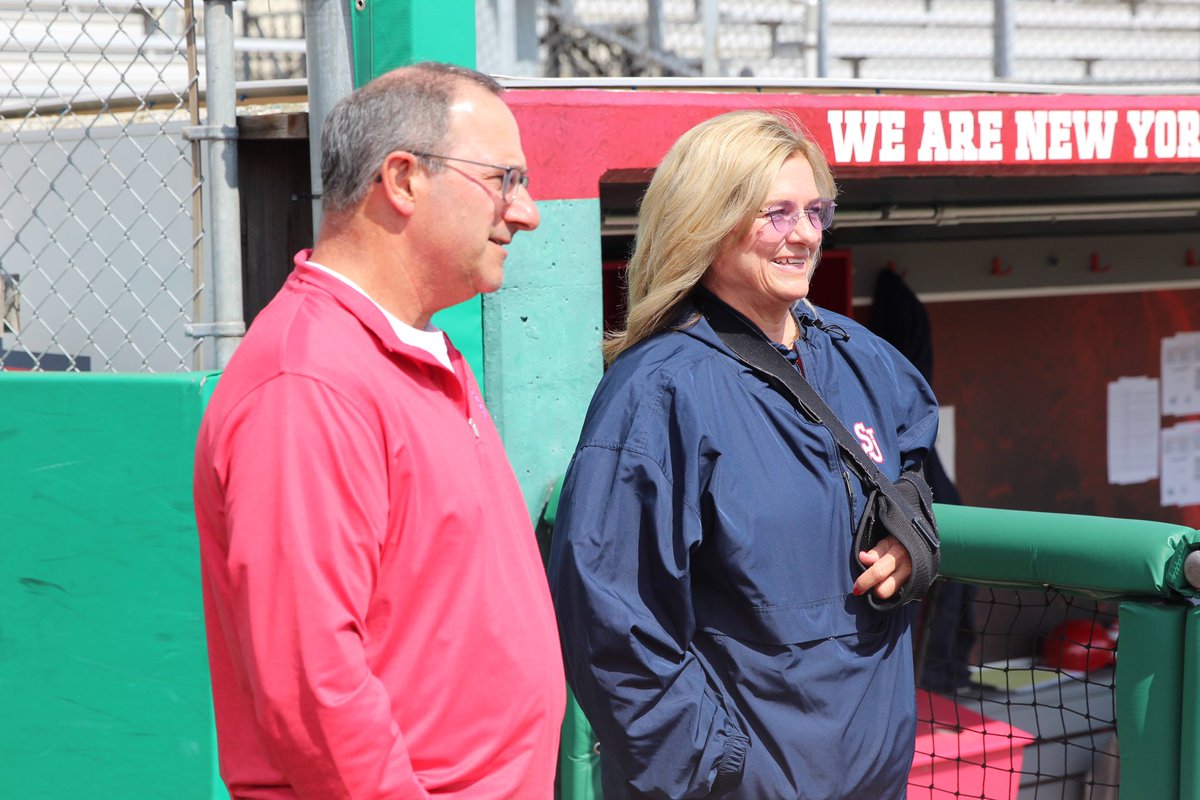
(1095, 557)
(103, 672)
(578, 759)
(1189, 744)
(1149, 698)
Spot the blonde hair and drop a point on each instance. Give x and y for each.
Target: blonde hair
(708, 188)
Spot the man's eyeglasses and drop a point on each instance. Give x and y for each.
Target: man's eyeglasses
(785, 216)
(514, 177)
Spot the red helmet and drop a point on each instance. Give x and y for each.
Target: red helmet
(1079, 645)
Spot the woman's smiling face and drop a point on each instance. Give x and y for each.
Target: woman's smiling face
(766, 271)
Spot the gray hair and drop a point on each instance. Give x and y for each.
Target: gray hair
(405, 109)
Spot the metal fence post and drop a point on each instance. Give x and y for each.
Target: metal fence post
(1003, 26)
(822, 39)
(655, 24)
(224, 202)
(327, 29)
(710, 16)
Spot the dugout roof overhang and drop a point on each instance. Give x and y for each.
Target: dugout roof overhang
(927, 160)
(913, 160)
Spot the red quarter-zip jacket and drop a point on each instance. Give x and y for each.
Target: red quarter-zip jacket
(378, 619)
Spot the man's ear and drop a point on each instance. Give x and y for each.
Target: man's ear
(400, 179)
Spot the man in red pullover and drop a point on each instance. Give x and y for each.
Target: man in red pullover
(378, 619)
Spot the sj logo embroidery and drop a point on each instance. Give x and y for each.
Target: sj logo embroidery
(870, 445)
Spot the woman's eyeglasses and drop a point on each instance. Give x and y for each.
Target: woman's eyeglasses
(785, 216)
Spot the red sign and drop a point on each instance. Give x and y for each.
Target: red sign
(572, 137)
(1012, 135)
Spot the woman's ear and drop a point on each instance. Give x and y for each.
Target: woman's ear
(400, 181)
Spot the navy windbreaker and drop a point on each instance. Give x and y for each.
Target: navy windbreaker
(702, 571)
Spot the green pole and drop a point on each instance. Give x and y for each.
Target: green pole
(391, 33)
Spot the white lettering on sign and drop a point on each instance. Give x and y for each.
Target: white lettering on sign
(973, 136)
(891, 136)
(1176, 134)
(1189, 133)
(990, 146)
(1139, 123)
(1061, 134)
(1031, 135)
(933, 139)
(1094, 132)
(878, 136)
(854, 134)
(1058, 131)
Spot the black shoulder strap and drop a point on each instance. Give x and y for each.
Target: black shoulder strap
(753, 349)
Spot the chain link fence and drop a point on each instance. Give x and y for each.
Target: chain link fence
(102, 262)
(102, 258)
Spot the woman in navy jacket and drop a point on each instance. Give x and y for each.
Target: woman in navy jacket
(714, 620)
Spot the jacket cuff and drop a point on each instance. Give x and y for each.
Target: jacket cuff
(731, 762)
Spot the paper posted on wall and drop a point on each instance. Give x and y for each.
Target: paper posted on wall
(1132, 430)
(1181, 374)
(1181, 464)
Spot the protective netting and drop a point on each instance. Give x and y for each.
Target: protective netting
(1017, 697)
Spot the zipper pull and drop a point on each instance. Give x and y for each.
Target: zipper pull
(471, 422)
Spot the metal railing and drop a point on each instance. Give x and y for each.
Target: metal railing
(106, 257)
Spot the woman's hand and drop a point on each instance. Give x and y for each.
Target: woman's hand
(888, 568)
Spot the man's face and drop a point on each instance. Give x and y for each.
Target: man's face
(468, 222)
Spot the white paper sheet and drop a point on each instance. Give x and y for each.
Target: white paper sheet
(945, 441)
(1132, 430)
(1181, 374)
(1181, 464)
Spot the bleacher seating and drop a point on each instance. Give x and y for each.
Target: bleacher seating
(90, 49)
(1054, 41)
